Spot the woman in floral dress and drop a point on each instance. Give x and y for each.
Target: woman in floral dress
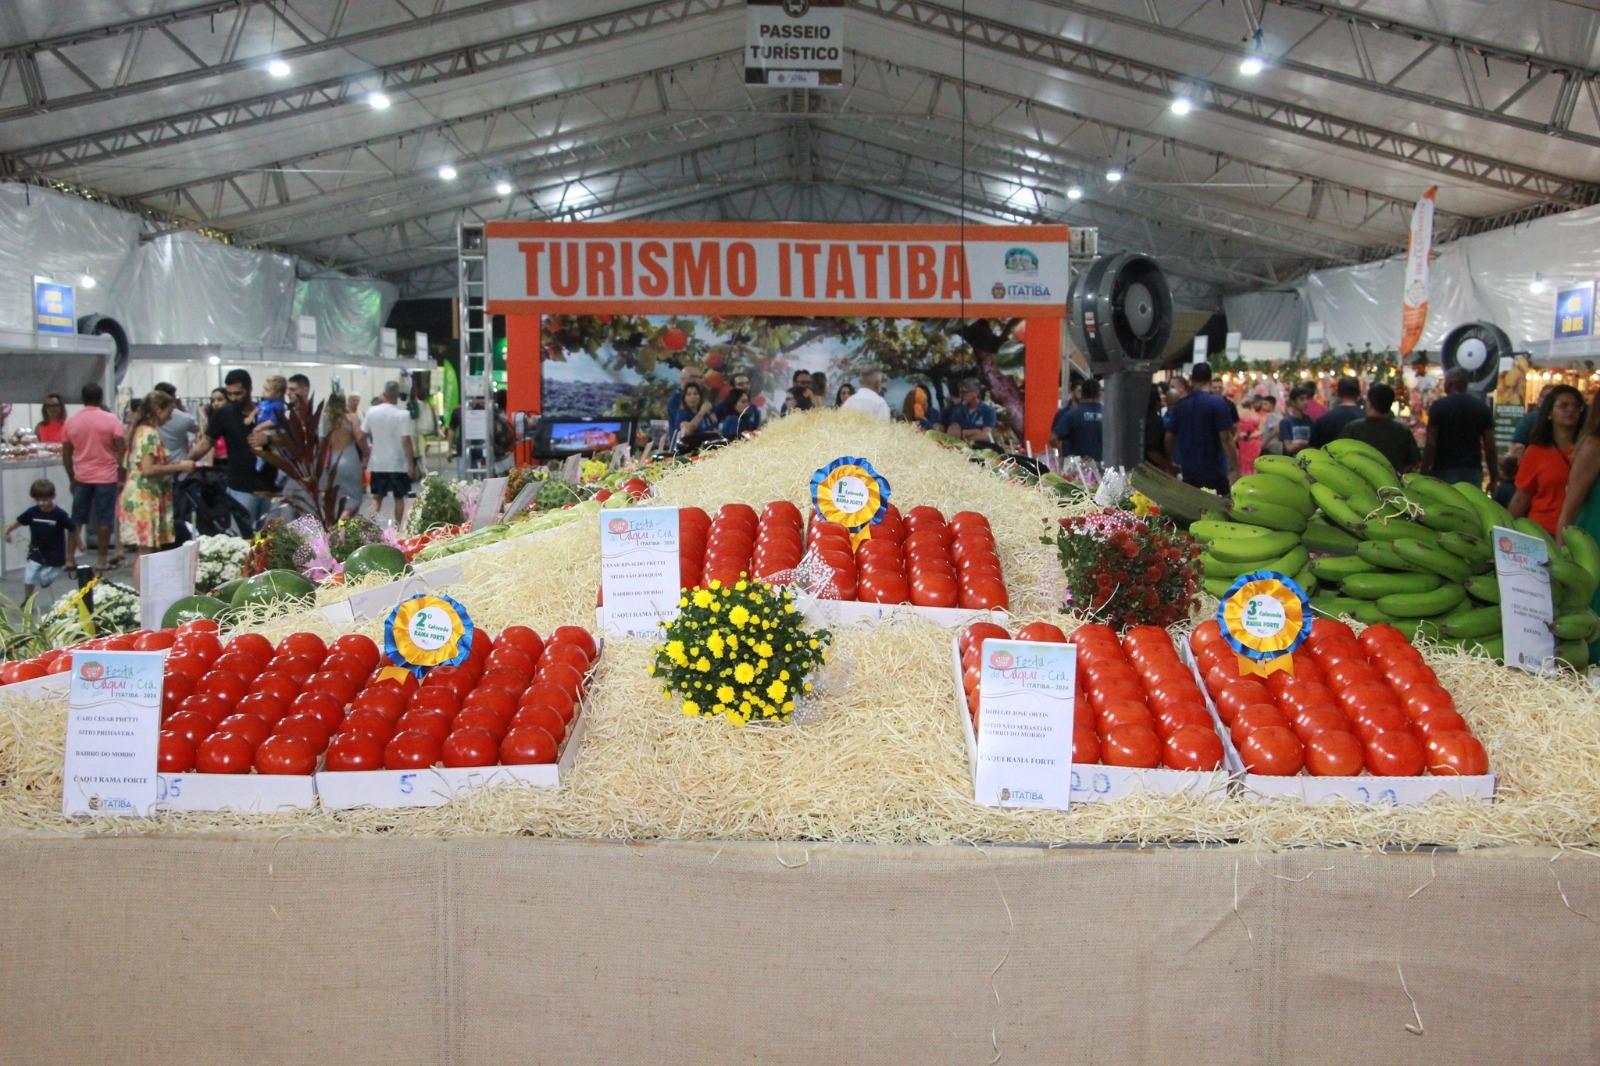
(144, 509)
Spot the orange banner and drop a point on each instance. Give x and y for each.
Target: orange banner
(1414, 312)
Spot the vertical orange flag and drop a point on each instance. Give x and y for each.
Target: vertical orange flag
(1414, 312)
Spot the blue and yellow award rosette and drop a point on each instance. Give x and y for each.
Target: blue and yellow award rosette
(427, 631)
(850, 492)
(1264, 617)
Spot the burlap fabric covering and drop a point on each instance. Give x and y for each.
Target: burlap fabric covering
(521, 951)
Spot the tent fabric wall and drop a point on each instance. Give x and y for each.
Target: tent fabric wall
(43, 233)
(349, 311)
(179, 288)
(1481, 277)
(185, 289)
(1277, 315)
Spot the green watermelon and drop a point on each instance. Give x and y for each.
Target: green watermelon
(225, 591)
(374, 559)
(191, 607)
(273, 586)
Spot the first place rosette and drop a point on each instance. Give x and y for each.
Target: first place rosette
(850, 492)
(427, 631)
(1264, 617)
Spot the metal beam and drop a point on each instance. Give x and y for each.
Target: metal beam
(667, 141)
(220, 56)
(1254, 108)
(1528, 67)
(565, 115)
(439, 67)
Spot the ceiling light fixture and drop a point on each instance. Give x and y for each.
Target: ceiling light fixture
(1182, 105)
(86, 281)
(504, 188)
(1538, 284)
(278, 68)
(1114, 174)
(1250, 66)
(378, 100)
(447, 172)
(1075, 192)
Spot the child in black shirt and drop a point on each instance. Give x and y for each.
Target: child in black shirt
(52, 547)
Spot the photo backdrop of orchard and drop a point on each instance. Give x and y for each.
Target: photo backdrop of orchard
(630, 364)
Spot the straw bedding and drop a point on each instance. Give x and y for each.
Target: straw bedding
(885, 761)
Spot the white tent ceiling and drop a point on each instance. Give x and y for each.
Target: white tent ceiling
(992, 109)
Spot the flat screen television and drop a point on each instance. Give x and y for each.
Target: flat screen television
(557, 438)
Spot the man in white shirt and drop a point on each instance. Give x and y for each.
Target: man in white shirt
(868, 399)
(391, 444)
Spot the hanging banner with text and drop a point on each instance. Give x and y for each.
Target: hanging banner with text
(738, 268)
(794, 44)
(1419, 252)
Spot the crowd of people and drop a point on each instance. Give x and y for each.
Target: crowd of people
(1209, 440)
(698, 416)
(138, 479)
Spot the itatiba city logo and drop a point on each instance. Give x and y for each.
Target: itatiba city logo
(1001, 660)
(1505, 544)
(617, 525)
(92, 671)
(998, 292)
(796, 9)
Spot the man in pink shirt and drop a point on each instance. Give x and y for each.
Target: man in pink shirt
(92, 443)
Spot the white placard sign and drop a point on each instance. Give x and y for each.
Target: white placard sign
(523, 499)
(1026, 695)
(639, 568)
(486, 512)
(388, 343)
(113, 729)
(794, 44)
(475, 424)
(305, 333)
(164, 579)
(1231, 344)
(420, 344)
(1522, 567)
(1202, 346)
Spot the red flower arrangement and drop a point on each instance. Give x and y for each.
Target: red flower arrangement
(1126, 570)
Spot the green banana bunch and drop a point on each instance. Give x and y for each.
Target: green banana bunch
(1254, 549)
(1528, 527)
(1470, 549)
(1307, 580)
(1471, 623)
(1447, 519)
(1335, 568)
(1490, 513)
(1275, 491)
(1285, 467)
(1433, 559)
(1422, 604)
(1381, 554)
(1575, 653)
(1344, 447)
(1374, 469)
(1207, 530)
(1574, 586)
(1485, 588)
(1430, 491)
(1394, 529)
(1337, 510)
(1273, 516)
(1333, 605)
(1576, 625)
(1583, 549)
(1369, 613)
(1325, 470)
(1327, 539)
(1377, 584)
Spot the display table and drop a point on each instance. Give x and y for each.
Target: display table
(16, 478)
(481, 950)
